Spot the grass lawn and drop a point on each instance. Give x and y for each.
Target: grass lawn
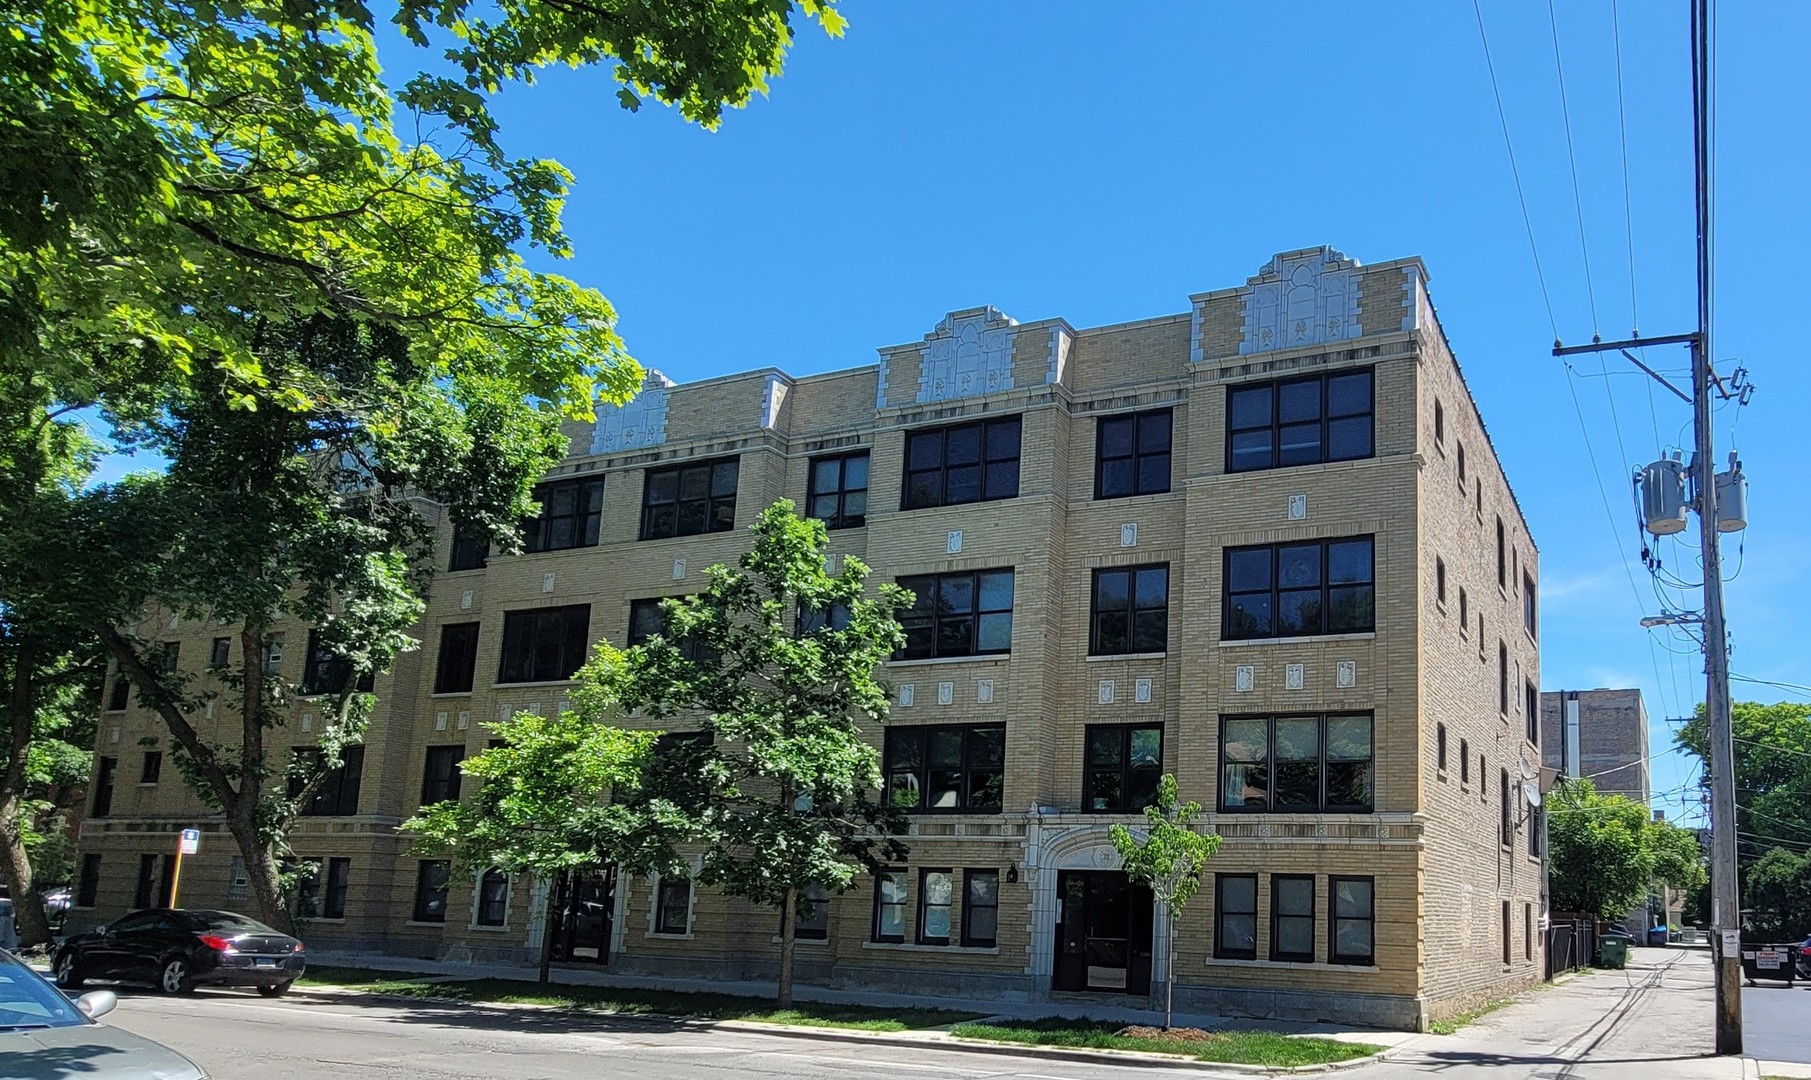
(632, 1002)
(1233, 1047)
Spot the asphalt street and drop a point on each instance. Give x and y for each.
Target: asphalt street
(1776, 1021)
(236, 1035)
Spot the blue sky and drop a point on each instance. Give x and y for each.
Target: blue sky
(1101, 162)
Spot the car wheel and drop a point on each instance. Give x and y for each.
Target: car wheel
(175, 977)
(69, 974)
(274, 991)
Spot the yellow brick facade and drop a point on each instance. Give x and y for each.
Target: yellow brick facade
(1430, 842)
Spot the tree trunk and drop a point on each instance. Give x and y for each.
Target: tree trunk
(550, 923)
(15, 867)
(1169, 977)
(789, 912)
(261, 870)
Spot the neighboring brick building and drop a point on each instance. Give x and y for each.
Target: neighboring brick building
(1252, 544)
(1598, 734)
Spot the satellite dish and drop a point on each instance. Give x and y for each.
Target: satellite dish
(1532, 790)
(1529, 772)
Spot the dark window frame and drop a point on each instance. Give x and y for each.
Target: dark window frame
(1221, 949)
(972, 771)
(1334, 918)
(1530, 607)
(1275, 425)
(816, 926)
(1439, 424)
(1503, 677)
(522, 630)
(1464, 762)
(970, 905)
(1274, 590)
(929, 589)
(985, 462)
(1508, 923)
(333, 892)
(324, 673)
(493, 898)
(1506, 809)
(881, 904)
(691, 649)
(1440, 581)
(582, 519)
(106, 775)
(440, 773)
(468, 551)
(1531, 703)
(338, 794)
(664, 894)
(840, 516)
(1138, 454)
(151, 768)
(1154, 619)
(718, 510)
(88, 881)
(925, 905)
(1126, 802)
(220, 653)
(456, 664)
(426, 870)
(1502, 557)
(1323, 764)
(1277, 915)
(1440, 746)
(1537, 832)
(119, 693)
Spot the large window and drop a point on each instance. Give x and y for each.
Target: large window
(440, 777)
(493, 898)
(673, 906)
(1132, 455)
(812, 920)
(458, 658)
(968, 614)
(963, 463)
(1353, 919)
(1124, 763)
(119, 693)
(327, 672)
(1299, 421)
(1131, 610)
(220, 653)
(471, 550)
(333, 898)
(839, 490)
(88, 884)
(104, 770)
(431, 880)
(936, 895)
(544, 644)
(1236, 916)
(151, 768)
(570, 512)
(1292, 917)
(646, 620)
(688, 500)
(944, 769)
(1300, 589)
(980, 908)
(337, 795)
(890, 905)
(1296, 763)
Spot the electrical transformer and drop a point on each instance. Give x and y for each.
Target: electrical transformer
(1732, 498)
(1662, 496)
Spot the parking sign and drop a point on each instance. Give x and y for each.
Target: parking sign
(191, 841)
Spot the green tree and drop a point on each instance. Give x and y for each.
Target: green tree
(1777, 896)
(776, 659)
(547, 804)
(1605, 853)
(1170, 858)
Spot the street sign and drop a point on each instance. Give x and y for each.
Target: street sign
(191, 842)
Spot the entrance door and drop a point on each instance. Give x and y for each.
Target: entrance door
(1103, 933)
(585, 903)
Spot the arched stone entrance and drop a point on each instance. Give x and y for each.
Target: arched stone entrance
(1091, 929)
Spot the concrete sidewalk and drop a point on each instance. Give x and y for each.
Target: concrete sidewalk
(1649, 1022)
(1121, 1013)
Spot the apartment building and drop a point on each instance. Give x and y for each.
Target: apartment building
(1263, 544)
(1601, 735)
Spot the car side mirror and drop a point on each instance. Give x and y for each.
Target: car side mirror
(100, 928)
(98, 1004)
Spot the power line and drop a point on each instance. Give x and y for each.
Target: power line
(1628, 205)
(1578, 204)
(1527, 222)
(1803, 691)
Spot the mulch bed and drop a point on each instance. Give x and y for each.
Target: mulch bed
(1180, 1034)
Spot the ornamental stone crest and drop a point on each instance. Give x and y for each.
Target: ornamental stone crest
(1300, 298)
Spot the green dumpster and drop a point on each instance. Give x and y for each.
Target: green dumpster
(1613, 952)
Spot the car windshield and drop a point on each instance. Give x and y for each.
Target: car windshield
(27, 1001)
(227, 920)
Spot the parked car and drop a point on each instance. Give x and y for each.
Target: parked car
(43, 1035)
(178, 950)
(1804, 959)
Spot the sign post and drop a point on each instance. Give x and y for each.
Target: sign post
(188, 845)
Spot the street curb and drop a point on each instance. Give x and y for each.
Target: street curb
(930, 1040)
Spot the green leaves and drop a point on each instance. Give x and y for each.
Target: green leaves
(1605, 854)
(1171, 857)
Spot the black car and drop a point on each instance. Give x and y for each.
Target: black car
(177, 950)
